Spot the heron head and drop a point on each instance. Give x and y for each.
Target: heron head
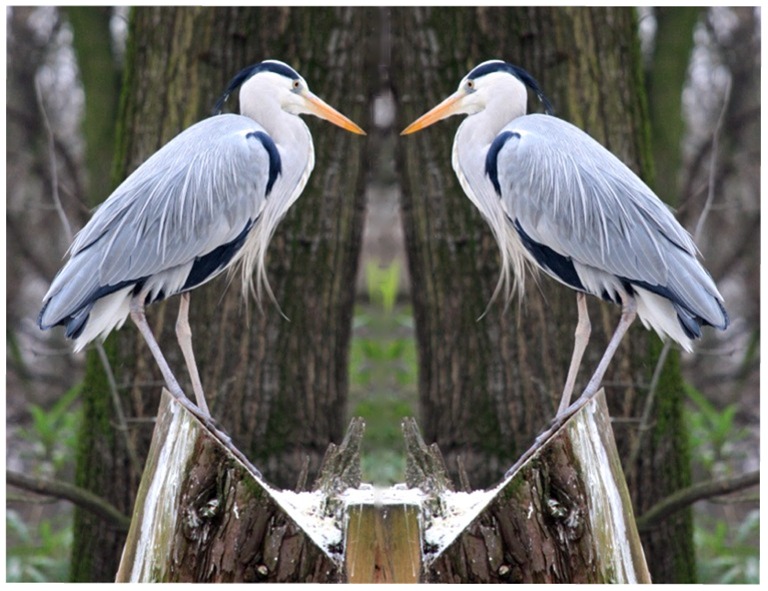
(492, 82)
(277, 82)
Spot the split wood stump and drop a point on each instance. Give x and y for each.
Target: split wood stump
(562, 515)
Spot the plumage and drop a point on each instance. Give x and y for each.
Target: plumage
(197, 193)
(208, 199)
(596, 213)
(558, 201)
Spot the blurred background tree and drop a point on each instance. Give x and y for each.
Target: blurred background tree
(50, 155)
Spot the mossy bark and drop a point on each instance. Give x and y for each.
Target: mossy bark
(277, 387)
(100, 76)
(488, 386)
(667, 75)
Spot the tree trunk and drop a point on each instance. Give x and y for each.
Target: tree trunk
(561, 515)
(488, 386)
(667, 75)
(276, 386)
(100, 75)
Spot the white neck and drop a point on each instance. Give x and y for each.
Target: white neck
(290, 134)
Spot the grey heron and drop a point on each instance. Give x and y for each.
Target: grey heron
(557, 200)
(210, 198)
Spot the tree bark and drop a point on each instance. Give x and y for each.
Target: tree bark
(562, 514)
(488, 386)
(100, 75)
(201, 516)
(667, 75)
(276, 386)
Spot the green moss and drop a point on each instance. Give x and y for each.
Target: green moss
(642, 116)
(669, 429)
(516, 488)
(253, 489)
(120, 161)
(97, 431)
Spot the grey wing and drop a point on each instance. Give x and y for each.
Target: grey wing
(575, 202)
(196, 194)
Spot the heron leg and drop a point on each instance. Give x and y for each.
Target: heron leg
(184, 336)
(580, 340)
(628, 314)
(140, 320)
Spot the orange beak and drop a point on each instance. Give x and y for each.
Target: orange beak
(321, 109)
(448, 107)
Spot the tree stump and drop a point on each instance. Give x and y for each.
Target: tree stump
(201, 515)
(562, 516)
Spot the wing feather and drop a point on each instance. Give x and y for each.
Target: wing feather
(574, 196)
(194, 195)
(183, 202)
(569, 193)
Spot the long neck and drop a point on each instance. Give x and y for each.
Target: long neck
(292, 138)
(470, 148)
(294, 144)
(473, 139)
(478, 130)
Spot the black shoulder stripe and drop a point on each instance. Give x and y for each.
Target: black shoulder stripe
(554, 263)
(492, 158)
(275, 163)
(212, 263)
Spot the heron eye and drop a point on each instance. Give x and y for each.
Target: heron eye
(470, 84)
(296, 84)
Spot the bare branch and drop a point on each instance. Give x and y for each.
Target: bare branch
(645, 422)
(713, 165)
(54, 173)
(687, 496)
(64, 490)
(120, 415)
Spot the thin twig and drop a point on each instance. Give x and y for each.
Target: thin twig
(84, 499)
(54, 173)
(712, 166)
(645, 420)
(684, 497)
(122, 423)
